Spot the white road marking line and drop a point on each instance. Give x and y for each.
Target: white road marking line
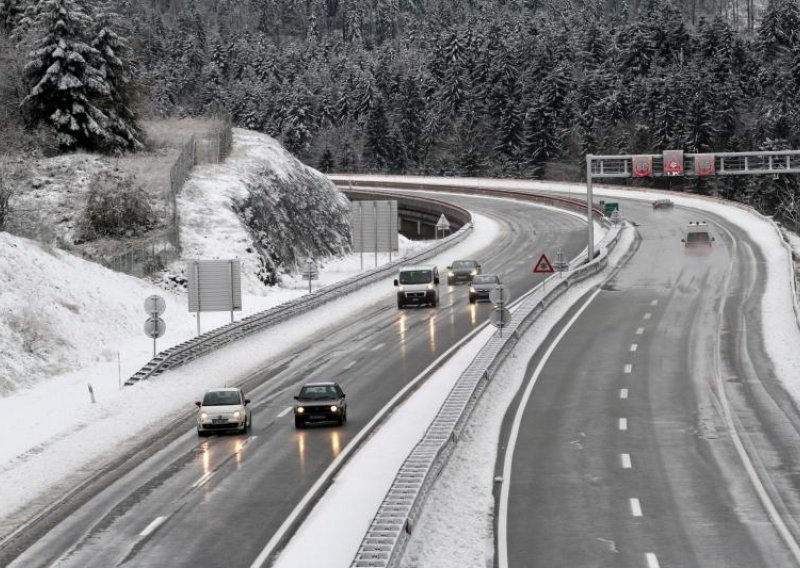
(285, 411)
(153, 526)
(623, 393)
(628, 369)
(378, 347)
(623, 423)
(626, 461)
(652, 561)
(648, 315)
(206, 476)
(654, 303)
(350, 365)
(634, 347)
(636, 507)
(639, 331)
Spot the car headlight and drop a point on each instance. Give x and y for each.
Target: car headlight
(236, 415)
(334, 408)
(400, 288)
(472, 289)
(430, 286)
(450, 274)
(203, 416)
(300, 410)
(473, 273)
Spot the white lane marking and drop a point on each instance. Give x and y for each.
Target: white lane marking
(153, 526)
(636, 507)
(350, 365)
(378, 347)
(654, 303)
(626, 461)
(285, 411)
(634, 347)
(206, 476)
(502, 517)
(652, 561)
(628, 369)
(623, 393)
(648, 315)
(639, 331)
(623, 423)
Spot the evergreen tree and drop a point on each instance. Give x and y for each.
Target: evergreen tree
(116, 66)
(65, 80)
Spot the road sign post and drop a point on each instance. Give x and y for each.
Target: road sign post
(311, 272)
(500, 316)
(442, 225)
(154, 326)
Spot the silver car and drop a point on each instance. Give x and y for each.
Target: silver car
(481, 285)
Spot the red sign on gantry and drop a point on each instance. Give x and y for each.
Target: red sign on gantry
(704, 164)
(673, 162)
(642, 166)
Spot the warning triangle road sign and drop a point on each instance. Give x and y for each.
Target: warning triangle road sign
(543, 265)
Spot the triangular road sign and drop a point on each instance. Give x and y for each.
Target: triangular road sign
(543, 265)
(443, 224)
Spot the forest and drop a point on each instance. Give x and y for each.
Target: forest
(496, 88)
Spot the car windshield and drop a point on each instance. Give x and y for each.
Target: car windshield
(697, 238)
(318, 392)
(221, 398)
(464, 264)
(485, 279)
(415, 276)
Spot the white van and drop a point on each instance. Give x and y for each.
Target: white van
(417, 285)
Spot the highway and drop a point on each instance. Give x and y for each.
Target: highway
(654, 433)
(218, 500)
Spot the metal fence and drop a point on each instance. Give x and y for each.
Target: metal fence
(143, 259)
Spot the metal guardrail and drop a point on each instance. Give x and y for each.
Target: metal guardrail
(211, 340)
(386, 538)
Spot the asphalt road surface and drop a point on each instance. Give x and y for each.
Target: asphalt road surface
(217, 501)
(625, 457)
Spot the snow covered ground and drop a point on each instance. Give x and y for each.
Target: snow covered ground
(58, 432)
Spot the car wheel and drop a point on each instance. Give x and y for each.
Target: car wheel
(344, 416)
(298, 423)
(400, 305)
(201, 433)
(341, 419)
(471, 300)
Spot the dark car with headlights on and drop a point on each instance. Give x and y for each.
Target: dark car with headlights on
(320, 402)
(462, 271)
(481, 285)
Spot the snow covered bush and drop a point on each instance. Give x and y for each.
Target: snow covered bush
(116, 207)
(293, 216)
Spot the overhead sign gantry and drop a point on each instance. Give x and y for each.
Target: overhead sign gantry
(677, 163)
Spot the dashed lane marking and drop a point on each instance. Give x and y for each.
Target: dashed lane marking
(636, 507)
(628, 369)
(652, 560)
(623, 423)
(153, 526)
(626, 461)
(285, 411)
(623, 393)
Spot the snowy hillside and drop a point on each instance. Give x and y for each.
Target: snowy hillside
(68, 319)
(292, 212)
